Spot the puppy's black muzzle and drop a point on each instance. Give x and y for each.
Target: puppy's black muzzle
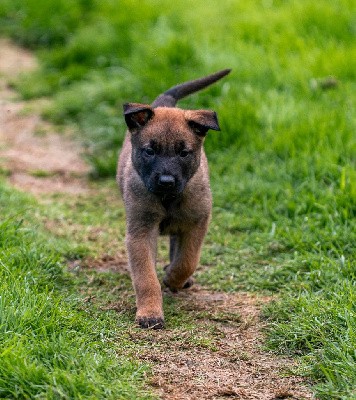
(166, 185)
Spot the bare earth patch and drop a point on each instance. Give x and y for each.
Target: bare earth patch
(106, 263)
(234, 365)
(222, 357)
(36, 159)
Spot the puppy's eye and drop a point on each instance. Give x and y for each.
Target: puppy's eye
(149, 151)
(199, 129)
(184, 153)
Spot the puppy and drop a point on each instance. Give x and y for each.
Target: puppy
(164, 180)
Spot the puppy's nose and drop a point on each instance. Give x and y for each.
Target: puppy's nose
(166, 181)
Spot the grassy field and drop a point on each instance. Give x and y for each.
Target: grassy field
(282, 169)
(52, 344)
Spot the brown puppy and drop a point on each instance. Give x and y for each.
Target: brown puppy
(163, 177)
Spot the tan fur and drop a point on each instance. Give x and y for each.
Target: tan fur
(186, 222)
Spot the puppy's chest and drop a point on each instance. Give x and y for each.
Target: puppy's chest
(177, 218)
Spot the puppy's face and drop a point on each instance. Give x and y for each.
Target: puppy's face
(167, 144)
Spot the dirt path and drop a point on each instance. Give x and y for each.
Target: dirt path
(232, 364)
(36, 159)
(227, 360)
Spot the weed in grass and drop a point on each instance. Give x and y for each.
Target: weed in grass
(5, 171)
(40, 173)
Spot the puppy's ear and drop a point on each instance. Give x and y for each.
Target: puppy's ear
(137, 115)
(200, 121)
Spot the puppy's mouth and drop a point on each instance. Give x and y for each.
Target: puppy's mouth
(164, 191)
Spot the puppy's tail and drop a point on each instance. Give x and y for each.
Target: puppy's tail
(172, 95)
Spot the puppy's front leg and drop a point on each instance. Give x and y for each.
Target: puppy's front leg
(141, 246)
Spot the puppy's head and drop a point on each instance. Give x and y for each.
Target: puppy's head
(167, 144)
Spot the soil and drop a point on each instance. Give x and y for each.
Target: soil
(36, 158)
(234, 365)
(39, 160)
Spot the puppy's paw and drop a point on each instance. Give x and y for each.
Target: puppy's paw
(189, 283)
(150, 322)
(173, 289)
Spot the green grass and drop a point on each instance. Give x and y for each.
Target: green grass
(282, 169)
(52, 345)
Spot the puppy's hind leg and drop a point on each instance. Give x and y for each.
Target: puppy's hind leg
(186, 254)
(173, 248)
